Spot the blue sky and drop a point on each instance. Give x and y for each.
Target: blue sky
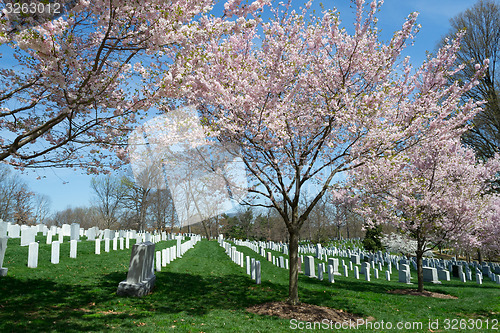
(69, 188)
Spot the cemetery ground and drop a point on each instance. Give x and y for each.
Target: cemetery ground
(204, 291)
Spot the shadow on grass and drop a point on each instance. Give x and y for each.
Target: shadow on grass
(35, 305)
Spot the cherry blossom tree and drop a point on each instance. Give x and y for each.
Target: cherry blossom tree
(432, 192)
(77, 81)
(306, 100)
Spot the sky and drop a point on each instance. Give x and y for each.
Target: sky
(70, 188)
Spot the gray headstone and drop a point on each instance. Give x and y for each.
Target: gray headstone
(456, 270)
(404, 274)
(309, 266)
(320, 271)
(257, 272)
(431, 275)
(443, 275)
(479, 278)
(140, 278)
(331, 278)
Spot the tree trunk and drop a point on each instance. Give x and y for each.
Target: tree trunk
(420, 271)
(204, 228)
(479, 257)
(293, 286)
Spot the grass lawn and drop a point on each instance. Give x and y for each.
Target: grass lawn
(205, 292)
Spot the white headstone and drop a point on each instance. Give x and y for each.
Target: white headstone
(14, 231)
(73, 248)
(3, 248)
(97, 246)
(106, 244)
(33, 255)
(356, 272)
(178, 254)
(66, 230)
(55, 252)
(158, 261)
(248, 265)
(75, 231)
(121, 243)
(27, 236)
(49, 237)
(115, 244)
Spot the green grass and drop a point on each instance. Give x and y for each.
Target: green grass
(203, 292)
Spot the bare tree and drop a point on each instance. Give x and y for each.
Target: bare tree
(85, 216)
(109, 194)
(162, 209)
(41, 208)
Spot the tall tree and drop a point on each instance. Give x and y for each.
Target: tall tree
(310, 100)
(481, 41)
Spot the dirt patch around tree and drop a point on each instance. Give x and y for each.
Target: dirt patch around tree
(305, 312)
(424, 293)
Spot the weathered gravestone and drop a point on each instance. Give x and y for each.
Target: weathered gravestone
(140, 278)
(3, 247)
